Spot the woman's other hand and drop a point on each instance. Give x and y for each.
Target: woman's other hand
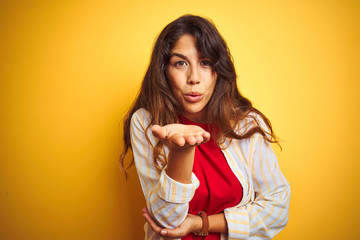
(192, 223)
(180, 136)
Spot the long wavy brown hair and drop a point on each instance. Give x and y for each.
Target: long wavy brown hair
(225, 109)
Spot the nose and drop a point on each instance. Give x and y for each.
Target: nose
(193, 77)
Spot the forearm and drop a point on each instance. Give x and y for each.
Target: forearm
(167, 214)
(217, 223)
(180, 164)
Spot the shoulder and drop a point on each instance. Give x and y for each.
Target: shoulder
(141, 113)
(141, 117)
(252, 120)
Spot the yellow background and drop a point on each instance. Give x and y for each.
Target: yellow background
(70, 69)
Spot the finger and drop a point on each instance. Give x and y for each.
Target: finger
(206, 136)
(199, 139)
(190, 139)
(178, 140)
(173, 233)
(156, 228)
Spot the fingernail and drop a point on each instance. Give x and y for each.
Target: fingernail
(163, 232)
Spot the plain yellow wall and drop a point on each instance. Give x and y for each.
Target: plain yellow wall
(70, 69)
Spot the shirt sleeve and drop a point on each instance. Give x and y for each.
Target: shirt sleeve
(167, 200)
(267, 214)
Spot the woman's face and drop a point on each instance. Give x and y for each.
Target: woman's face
(191, 78)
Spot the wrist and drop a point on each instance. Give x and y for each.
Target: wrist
(218, 223)
(204, 230)
(181, 150)
(198, 224)
(180, 165)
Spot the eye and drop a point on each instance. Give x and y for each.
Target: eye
(206, 63)
(180, 64)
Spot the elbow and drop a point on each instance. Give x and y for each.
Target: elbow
(283, 211)
(168, 215)
(287, 205)
(280, 211)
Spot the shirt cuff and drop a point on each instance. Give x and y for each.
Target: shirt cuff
(238, 223)
(174, 191)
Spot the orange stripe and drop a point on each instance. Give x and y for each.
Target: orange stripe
(238, 232)
(164, 185)
(262, 167)
(251, 156)
(238, 213)
(146, 153)
(235, 221)
(164, 205)
(184, 194)
(260, 235)
(154, 200)
(262, 220)
(178, 216)
(140, 161)
(173, 192)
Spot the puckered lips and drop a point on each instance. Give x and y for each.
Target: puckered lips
(193, 97)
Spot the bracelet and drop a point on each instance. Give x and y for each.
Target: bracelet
(205, 224)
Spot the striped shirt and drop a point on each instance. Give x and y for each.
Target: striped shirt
(263, 210)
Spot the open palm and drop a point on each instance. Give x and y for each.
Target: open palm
(180, 136)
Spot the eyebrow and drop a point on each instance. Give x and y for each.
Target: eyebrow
(183, 56)
(178, 55)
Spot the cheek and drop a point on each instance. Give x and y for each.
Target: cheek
(170, 79)
(174, 88)
(175, 81)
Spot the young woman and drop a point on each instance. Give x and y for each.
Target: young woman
(201, 150)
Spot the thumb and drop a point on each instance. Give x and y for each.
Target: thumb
(159, 132)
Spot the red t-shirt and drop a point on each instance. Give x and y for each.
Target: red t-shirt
(219, 187)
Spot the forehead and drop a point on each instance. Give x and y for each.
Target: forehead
(186, 42)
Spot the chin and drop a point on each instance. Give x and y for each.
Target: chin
(194, 110)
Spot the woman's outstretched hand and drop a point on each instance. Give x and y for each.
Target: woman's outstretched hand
(181, 140)
(180, 136)
(192, 223)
